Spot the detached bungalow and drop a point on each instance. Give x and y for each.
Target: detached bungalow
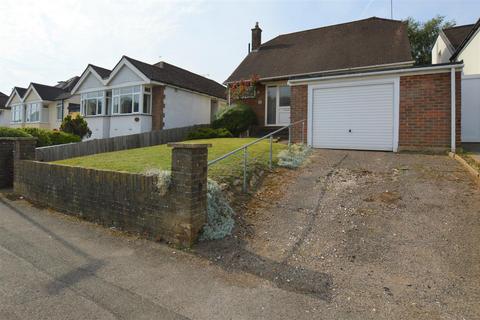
(138, 97)
(42, 106)
(355, 85)
(462, 43)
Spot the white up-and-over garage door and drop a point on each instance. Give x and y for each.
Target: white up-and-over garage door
(353, 116)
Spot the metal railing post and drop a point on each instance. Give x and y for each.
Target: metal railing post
(289, 136)
(303, 132)
(271, 151)
(245, 158)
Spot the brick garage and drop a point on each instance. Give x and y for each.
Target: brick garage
(424, 110)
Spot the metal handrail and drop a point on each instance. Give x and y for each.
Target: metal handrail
(245, 147)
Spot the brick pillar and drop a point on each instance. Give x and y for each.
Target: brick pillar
(298, 111)
(158, 107)
(189, 183)
(7, 149)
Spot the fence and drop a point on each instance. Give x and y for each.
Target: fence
(140, 140)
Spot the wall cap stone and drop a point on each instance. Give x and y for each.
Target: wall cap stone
(189, 145)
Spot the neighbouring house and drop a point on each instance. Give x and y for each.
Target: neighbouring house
(42, 106)
(137, 97)
(356, 86)
(462, 44)
(4, 111)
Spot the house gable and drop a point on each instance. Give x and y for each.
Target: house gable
(470, 55)
(90, 81)
(31, 95)
(14, 99)
(124, 75)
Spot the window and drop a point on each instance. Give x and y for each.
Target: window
(17, 113)
(127, 100)
(59, 111)
(147, 100)
(92, 103)
(278, 105)
(33, 112)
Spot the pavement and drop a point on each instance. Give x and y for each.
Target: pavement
(352, 235)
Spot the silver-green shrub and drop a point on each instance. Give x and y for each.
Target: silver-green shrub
(294, 156)
(220, 220)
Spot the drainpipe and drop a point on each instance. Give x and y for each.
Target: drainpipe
(453, 120)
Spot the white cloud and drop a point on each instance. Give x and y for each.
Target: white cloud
(46, 41)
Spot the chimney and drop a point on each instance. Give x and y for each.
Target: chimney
(256, 37)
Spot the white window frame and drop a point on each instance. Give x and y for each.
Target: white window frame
(17, 109)
(28, 112)
(98, 95)
(277, 106)
(59, 107)
(116, 99)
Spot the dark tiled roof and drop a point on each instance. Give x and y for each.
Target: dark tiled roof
(102, 72)
(466, 40)
(170, 74)
(3, 100)
(363, 43)
(68, 85)
(457, 34)
(50, 93)
(20, 91)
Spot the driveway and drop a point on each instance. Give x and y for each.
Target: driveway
(352, 235)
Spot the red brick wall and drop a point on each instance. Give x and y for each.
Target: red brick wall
(425, 110)
(158, 106)
(298, 111)
(257, 104)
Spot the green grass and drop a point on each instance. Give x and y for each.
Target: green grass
(142, 159)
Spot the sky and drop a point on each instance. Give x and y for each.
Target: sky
(48, 41)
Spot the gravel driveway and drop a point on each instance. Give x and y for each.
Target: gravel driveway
(368, 235)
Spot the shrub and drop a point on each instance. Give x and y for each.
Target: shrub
(219, 214)
(42, 135)
(294, 156)
(77, 126)
(208, 133)
(236, 119)
(59, 137)
(12, 132)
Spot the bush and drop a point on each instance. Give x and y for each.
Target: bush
(59, 137)
(219, 214)
(209, 133)
(294, 156)
(49, 137)
(12, 132)
(42, 135)
(77, 126)
(236, 119)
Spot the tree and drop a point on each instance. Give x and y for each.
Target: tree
(422, 36)
(77, 126)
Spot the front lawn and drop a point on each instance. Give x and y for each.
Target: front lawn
(159, 157)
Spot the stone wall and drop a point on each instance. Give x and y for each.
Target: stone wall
(130, 202)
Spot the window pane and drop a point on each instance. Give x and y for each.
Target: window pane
(146, 103)
(136, 102)
(91, 107)
(148, 89)
(285, 96)
(136, 89)
(115, 105)
(59, 112)
(126, 90)
(99, 106)
(116, 92)
(126, 104)
(271, 105)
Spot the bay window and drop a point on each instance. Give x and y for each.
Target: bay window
(127, 100)
(92, 103)
(59, 111)
(17, 113)
(33, 112)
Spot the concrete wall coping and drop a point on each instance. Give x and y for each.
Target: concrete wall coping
(189, 145)
(18, 138)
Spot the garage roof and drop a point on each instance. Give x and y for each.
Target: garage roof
(370, 42)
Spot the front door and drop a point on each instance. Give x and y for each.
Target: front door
(278, 106)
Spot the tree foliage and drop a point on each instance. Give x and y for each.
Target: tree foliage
(422, 36)
(77, 126)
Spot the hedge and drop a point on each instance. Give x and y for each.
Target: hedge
(45, 137)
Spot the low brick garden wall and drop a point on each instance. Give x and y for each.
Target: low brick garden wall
(7, 147)
(131, 202)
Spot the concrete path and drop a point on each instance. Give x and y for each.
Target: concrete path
(353, 235)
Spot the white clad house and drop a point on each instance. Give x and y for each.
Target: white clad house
(136, 97)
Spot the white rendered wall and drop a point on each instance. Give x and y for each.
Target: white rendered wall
(122, 125)
(471, 56)
(440, 52)
(184, 108)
